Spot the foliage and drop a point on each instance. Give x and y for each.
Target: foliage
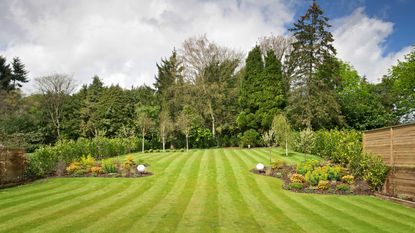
(278, 164)
(371, 168)
(313, 69)
(87, 161)
(250, 137)
(129, 162)
(295, 186)
(307, 166)
(323, 185)
(349, 179)
(108, 166)
(262, 91)
(282, 130)
(297, 178)
(96, 170)
(303, 141)
(73, 167)
(343, 187)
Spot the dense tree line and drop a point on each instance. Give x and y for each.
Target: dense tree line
(208, 95)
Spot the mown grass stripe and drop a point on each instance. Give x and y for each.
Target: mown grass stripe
(153, 201)
(14, 203)
(273, 218)
(63, 221)
(245, 216)
(27, 221)
(401, 211)
(32, 188)
(353, 223)
(122, 211)
(178, 203)
(77, 203)
(201, 214)
(124, 217)
(39, 204)
(380, 219)
(315, 221)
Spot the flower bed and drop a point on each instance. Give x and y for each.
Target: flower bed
(89, 167)
(313, 176)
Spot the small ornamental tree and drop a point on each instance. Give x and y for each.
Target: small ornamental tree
(166, 126)
(282, 130)
(268, 138)
(186, 121)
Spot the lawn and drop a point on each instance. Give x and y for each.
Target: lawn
(200, 191)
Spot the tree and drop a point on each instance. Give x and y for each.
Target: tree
(144, 121)
(166, 126)
(19, 74)
(88, 111)
(268, 138)
(262, 91)
(55, 90)
(402, 78)
(5, 74)
(186, 121)
(282, 131)
(360, 104)
(12, 76)
(207, 66)
(312, 69)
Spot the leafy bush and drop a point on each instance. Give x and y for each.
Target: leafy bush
(96, 170)
(343, 187)
(323, 185)
(349, 179)
(334, 172)
(129, 162)
(108, 166)
(296, 186)
(297, 178)
(250, 137)
(87, 162)
(307, 166)
(73, 167)
(303, 141)
(277, 164)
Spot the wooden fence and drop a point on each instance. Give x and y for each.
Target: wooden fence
(396, 146)
(12, 166)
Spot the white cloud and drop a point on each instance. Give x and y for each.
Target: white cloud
(360, 39)
(122, 40)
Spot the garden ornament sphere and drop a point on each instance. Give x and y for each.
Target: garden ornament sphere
(260, 166)
(141, 168)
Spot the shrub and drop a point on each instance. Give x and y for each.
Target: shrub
(349, 179)
(303, 141)
(87, 162)
(323, 185)
(278, 175)
(297, 178)
(278, 164)
(250, 137)
(307, 166)
(343, 187)
(334, 172)
(108, 166)
(129, 162)
(296, 186)
(96, 170)
(73, 167)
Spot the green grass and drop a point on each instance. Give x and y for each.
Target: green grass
(199, 191)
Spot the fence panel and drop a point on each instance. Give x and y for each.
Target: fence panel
(396, 146)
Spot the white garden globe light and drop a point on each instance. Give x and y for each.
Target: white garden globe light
(260, 166)
(141, 168)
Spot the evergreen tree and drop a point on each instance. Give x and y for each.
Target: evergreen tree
(5, 74)
(312, 67)
(19, 74)
(262, 92)
(88, 112)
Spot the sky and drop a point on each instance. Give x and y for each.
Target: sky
(121, 41)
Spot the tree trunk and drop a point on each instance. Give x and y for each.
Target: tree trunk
(142, 143)
(164, 145)
(187, 142)
(213, 125)
(286, 145)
